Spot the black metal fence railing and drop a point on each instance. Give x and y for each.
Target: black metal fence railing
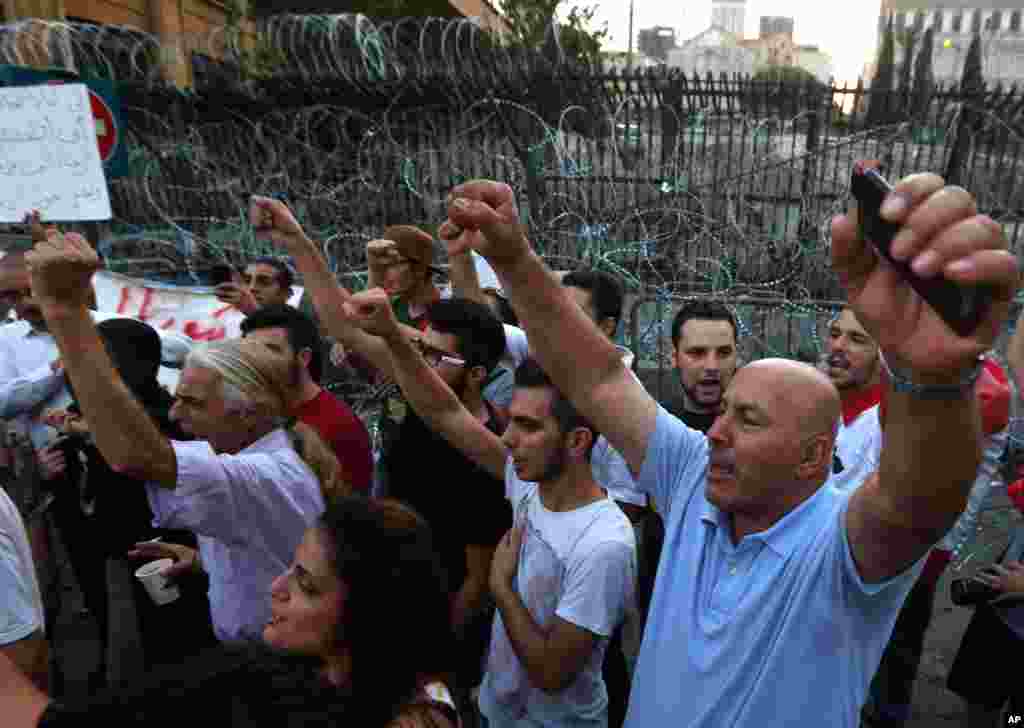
(684, 186)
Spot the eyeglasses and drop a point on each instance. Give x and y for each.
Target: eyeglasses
(258, 280)
(434, 357)
(14, 296)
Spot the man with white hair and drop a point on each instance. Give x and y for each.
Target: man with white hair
(241, 486)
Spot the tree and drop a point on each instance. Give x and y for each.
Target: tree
(882, 83)
(924, 76)
(534, 23)
(784, 90)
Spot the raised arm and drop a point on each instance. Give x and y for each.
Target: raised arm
(424, 390)
(932, 440)
(273, 219)
(61, 269)
(581, 361)
(465, 279)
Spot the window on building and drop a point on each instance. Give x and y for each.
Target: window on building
(995, 21)
(958, 23)
(937, 21)
(1015, 21)
(976, 21)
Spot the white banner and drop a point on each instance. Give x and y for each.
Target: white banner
(49, 160)
(194, 312)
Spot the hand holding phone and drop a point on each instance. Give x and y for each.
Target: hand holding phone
(961, 307)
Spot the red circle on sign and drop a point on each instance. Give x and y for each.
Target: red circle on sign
(106, 125)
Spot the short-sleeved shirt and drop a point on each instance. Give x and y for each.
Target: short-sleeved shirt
(580, 566)
(344, 433)
(779, 627)
(249, 512)
(21, 604)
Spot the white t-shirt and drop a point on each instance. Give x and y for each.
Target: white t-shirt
(580, 566)
(859, 447)
(21, 603)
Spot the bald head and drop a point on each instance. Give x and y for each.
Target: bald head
(804, 390)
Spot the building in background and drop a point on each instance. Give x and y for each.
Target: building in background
(619, 61)
(771, 24)
(729, 15)
(714, 51)
(656, 42)
(1000, 22)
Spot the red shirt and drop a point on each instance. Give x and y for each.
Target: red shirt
(344, 433)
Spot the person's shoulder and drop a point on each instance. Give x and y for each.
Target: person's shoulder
(10, 518)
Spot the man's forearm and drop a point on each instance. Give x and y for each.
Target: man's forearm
(124, 433)
(527, 638)
(465, 281)
(423, 389)
(329, 298)
(555, 325)
(930, 456)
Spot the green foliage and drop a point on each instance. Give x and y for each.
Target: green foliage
(786, 74)
(532, 22)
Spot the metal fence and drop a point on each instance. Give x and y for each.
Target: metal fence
(683, 186)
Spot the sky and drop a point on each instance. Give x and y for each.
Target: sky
(846, 30)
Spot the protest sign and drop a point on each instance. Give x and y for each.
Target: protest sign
(49, 159)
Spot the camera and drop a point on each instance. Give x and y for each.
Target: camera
(969, 592)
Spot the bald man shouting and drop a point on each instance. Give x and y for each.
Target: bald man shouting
(775, 595)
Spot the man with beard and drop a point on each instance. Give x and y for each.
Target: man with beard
(266, 281)
(704, 352)
(288, 331)
(563, 578)
(852, 363)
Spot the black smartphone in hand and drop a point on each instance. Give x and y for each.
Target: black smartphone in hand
(961, 307)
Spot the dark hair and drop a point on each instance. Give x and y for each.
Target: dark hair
(701, 310)
(480, 335)
(605, 292)
(506, 313)
(302, 331)
(530, 374)
(285, 274)
(385, 555)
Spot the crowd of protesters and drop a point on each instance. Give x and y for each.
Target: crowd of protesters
(520, 535)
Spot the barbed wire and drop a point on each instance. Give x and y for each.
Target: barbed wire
(682, 187)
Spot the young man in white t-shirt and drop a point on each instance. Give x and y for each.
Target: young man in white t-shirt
(563, 578)
(21, 605)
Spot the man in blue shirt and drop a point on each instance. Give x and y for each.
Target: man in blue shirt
(776, 593)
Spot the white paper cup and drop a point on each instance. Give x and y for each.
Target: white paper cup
(152, 577)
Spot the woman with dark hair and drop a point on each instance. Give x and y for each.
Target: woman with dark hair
(359, 636)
